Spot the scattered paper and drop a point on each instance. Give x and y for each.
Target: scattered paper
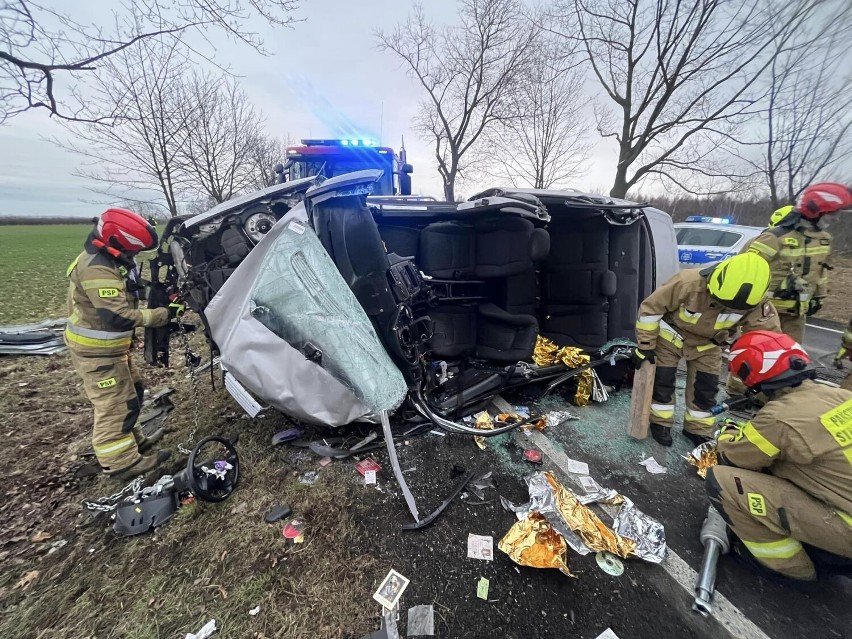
(482, 588)
(370, 478)
(652, 466)
(206, 631)
(607, 634)
(391, 589)
(589, 485)
(578, 467)
(480, 547)
(325, 461)
(254, 611)
(421, 621)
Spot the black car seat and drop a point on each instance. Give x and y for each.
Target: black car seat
(577, 281)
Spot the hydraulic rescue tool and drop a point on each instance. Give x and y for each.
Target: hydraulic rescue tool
(714, 538)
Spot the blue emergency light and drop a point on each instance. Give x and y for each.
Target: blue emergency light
(358, 142)
(708, 220)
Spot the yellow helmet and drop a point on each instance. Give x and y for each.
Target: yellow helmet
(740, 282)
(779, 215)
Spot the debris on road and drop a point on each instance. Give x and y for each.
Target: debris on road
(422, 523)
(556, 417)
(610, 564)
(480, 547)
(325, 461)
(206, 630)
(533, 456)
(254, 611)
(277, 513)
(370, 478)
(547, 353)
(653, 466)
(421, 621)
(482, 588)
(533, 542)
(648, 533)
(703, 457)
(577, 467)
(391, 589)
(607, 634)
(309, 478)
(483, 422)
(368, 464)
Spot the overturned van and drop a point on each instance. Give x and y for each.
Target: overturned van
(347, 306)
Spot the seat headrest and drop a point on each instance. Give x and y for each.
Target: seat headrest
(539, 245)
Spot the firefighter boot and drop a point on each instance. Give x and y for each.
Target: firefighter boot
(146, 442)
(662, 434)
(145, 464)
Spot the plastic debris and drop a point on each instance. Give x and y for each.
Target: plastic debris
(648, 534)
(325, 461)
(607, 634)
(309, 478)
(294, 530)
(482, 588)
(421, 621)
(370, 478)
(533, 542)
(277, 513)
(653, 466)
(391, 589)
(286, 436)
(254, 611)
(206, 630)
(577, 467)
(533, 456)
(483, 422)
(556, 417)
(610, 564)
(56, 545)
(367, 464)
(480, 547)
(704, 457)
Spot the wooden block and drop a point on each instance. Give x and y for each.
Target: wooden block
(640, 401)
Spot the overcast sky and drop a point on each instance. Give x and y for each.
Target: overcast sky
(325, 78)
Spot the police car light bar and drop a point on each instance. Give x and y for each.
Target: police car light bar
(708, 220)
(358, 142)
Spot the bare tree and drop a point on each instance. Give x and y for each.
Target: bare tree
(545, 142)
(265, 151)
(802, 134)
(679, 75)
(469, 72)
(46, 56)
(139, 157)
(222, 127)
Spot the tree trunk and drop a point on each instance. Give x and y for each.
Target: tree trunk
(619, 187)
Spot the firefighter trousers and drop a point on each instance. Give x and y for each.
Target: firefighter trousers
(702, 383)
(116, 396)
(793, 325)
(773, 518)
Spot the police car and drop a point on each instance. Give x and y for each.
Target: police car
(703, 240)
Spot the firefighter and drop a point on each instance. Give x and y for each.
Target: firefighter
(102, 314)
(784, 479)
(845, 352)
(797, 250)
(691, 317)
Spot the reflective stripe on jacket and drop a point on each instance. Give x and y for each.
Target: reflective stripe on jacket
(102, 312)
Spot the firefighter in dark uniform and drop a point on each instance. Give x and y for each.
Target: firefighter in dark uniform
(103, 312)
(798, 251)
(691, 317)
(784, 479)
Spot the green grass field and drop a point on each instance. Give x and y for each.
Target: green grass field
(33, 260)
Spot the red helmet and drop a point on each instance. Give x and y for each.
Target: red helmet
(764, 360)
(822, 198)
(123, 231)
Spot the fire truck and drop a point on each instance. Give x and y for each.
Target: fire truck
(330, 158)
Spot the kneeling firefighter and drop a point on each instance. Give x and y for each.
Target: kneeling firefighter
(103, 312)
(691, 317)
(797, 249)
(784, 479)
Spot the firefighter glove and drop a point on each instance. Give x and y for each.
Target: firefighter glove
(640, 355)
(176, 309)
(814, 305)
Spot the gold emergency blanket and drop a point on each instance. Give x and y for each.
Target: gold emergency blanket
(533, 542)
(547, 353)
(594, 533)
(703, 457)
(483, 422)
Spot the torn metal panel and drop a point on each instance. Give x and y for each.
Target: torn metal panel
(39, 338)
